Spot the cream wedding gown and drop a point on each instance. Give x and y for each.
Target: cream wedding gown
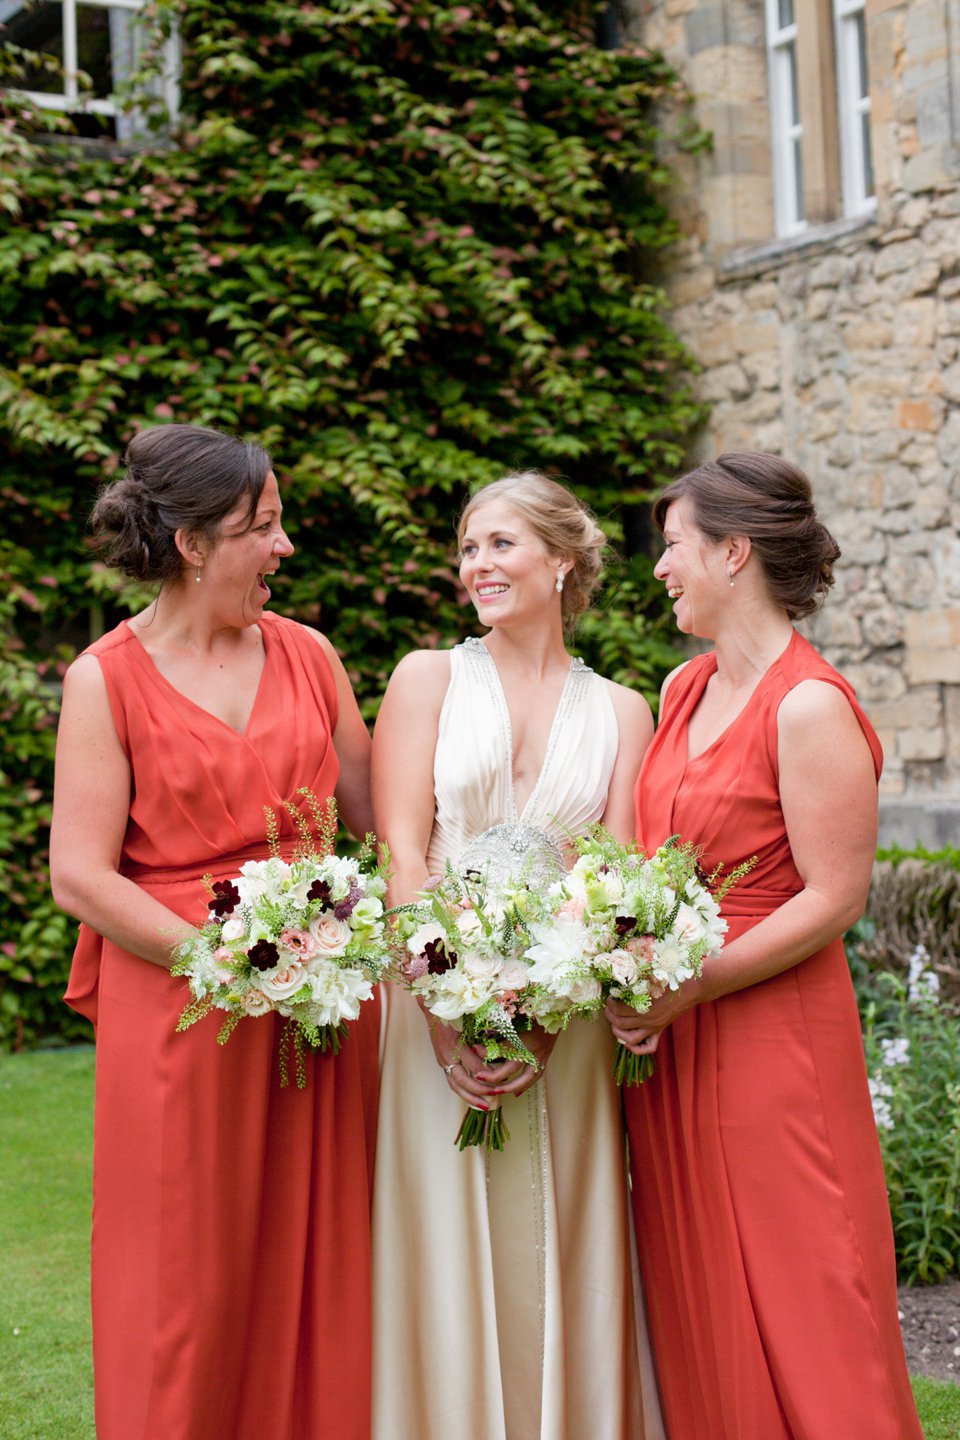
(505, 1292)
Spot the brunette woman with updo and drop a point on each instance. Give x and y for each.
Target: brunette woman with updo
(231, 1220)
(505, 1306)
(758, 1191)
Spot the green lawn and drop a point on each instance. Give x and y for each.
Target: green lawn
(46, 1379)
(46, 1124)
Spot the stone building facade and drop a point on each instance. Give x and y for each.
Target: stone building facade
(825, 313)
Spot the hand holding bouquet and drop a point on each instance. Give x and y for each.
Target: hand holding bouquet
(459, 948)
(622, 925)
(302, 937)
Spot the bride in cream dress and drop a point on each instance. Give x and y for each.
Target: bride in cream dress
(506, 1299)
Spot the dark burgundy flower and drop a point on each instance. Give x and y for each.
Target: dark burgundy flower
(625, 923)
(264, 955)
(226, 898)
(438, 961)
(701, 874)
(344, 908)
(320, 890)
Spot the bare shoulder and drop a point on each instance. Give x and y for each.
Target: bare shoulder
(422, 672)
(813, 702)
(84, 682)
(630, 706)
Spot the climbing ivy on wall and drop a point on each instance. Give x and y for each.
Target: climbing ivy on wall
(407, 245)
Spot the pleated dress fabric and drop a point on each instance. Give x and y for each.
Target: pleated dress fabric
(231, 1217)
(759, 1197)
(504, 1296)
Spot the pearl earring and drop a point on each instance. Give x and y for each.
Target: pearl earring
(729, 576)
(199, 568)
(559, 581)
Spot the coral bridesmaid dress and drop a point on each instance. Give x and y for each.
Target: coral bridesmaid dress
(231, 1218)
(759, 1198)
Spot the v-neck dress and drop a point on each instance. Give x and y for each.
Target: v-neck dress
(504, 1299)
(231, 1217)
(759, 1196)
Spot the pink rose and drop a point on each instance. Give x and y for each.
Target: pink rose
(332, 936)
(301, 942)
(573, 908)
(284, 981)
(255, 1002)
(642, 947)
(222, 966)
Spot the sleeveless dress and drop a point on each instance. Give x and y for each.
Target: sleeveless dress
(759, 1196)
(504, 1302)
(231, 1236)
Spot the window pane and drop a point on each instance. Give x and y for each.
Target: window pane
(867, 155)
(785, 13)
(36, 27)
(93, 48)
(793, 107)
(863, 82)
(798, 179)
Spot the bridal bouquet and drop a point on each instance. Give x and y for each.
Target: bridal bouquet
(303, 937)
(460, 948)
(624, 925)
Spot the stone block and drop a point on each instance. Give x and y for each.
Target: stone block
(945, 554)
(931, 166)
(714, 345)
(892, 778)
(907, 255)
(838, 628)
(921, 744)
(726, 382)
(733, 73)
(867, 334)
(933, 629)
(907, 578)
(919, 281)
(915, 323)
(948, 315)
(915, 213)
(762, 296)
(769, 437)
(875, 681)
(684, 287)
(819, 304)
(924, 666)
(899, 487)
(951, 706)
(918, 414)
(842, 452)
(763, 368)
(882, 628)
(921, 708)
(948, 440)
(757, 333)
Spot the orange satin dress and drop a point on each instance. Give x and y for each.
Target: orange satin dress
(759, 1198)
(231, 1217)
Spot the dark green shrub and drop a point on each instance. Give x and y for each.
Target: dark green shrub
(405, 245)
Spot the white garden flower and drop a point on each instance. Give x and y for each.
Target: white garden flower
(896, 1052)
(624, 966)
(233, 929)
(671, 962)
(459, 994)
(481, 967)
(470, 926)
(556, 956)
(429, 934)
(880, 1094)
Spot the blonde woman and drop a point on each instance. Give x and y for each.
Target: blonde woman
(504, 1294)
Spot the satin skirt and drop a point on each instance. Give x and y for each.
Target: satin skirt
(506, 1297)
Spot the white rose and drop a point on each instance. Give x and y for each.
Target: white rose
(284, 981)
(624, 966)
(332, 935)
(482, 967)
(514, 975)
(470, 926)
(233, 929)
(255, 1002)
(688, 925)
(425, 935)
(583, 992)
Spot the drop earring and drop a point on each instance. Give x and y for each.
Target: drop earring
(200, 567)
(559, 581)
(729, 576)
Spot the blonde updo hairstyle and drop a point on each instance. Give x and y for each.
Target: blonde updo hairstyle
(564, 527)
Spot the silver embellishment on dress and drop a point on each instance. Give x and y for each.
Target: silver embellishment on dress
(512, 852)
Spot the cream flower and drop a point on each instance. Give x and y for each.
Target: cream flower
(332, 936)
(232, 929)
(255, 1002)
(283, 982)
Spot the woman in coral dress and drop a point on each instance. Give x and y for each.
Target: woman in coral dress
(759, 1198)
(505, 1305)
(231, 1232)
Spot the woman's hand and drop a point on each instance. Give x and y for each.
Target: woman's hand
(476, 1082)
(639, 1031)
(513, 1077)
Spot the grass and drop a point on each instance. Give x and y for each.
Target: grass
(46, 1124)
(46, 1376)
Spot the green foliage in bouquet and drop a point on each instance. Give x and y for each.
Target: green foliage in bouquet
(406, 245)
(912, 1046)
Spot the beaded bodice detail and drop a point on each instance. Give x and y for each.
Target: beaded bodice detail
(473, 764)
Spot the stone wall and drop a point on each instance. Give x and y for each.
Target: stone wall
(841, 349)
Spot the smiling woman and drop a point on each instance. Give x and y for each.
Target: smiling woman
(179, 730)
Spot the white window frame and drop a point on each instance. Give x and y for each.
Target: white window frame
(786, 130)
(72, 100)
(853, 108)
